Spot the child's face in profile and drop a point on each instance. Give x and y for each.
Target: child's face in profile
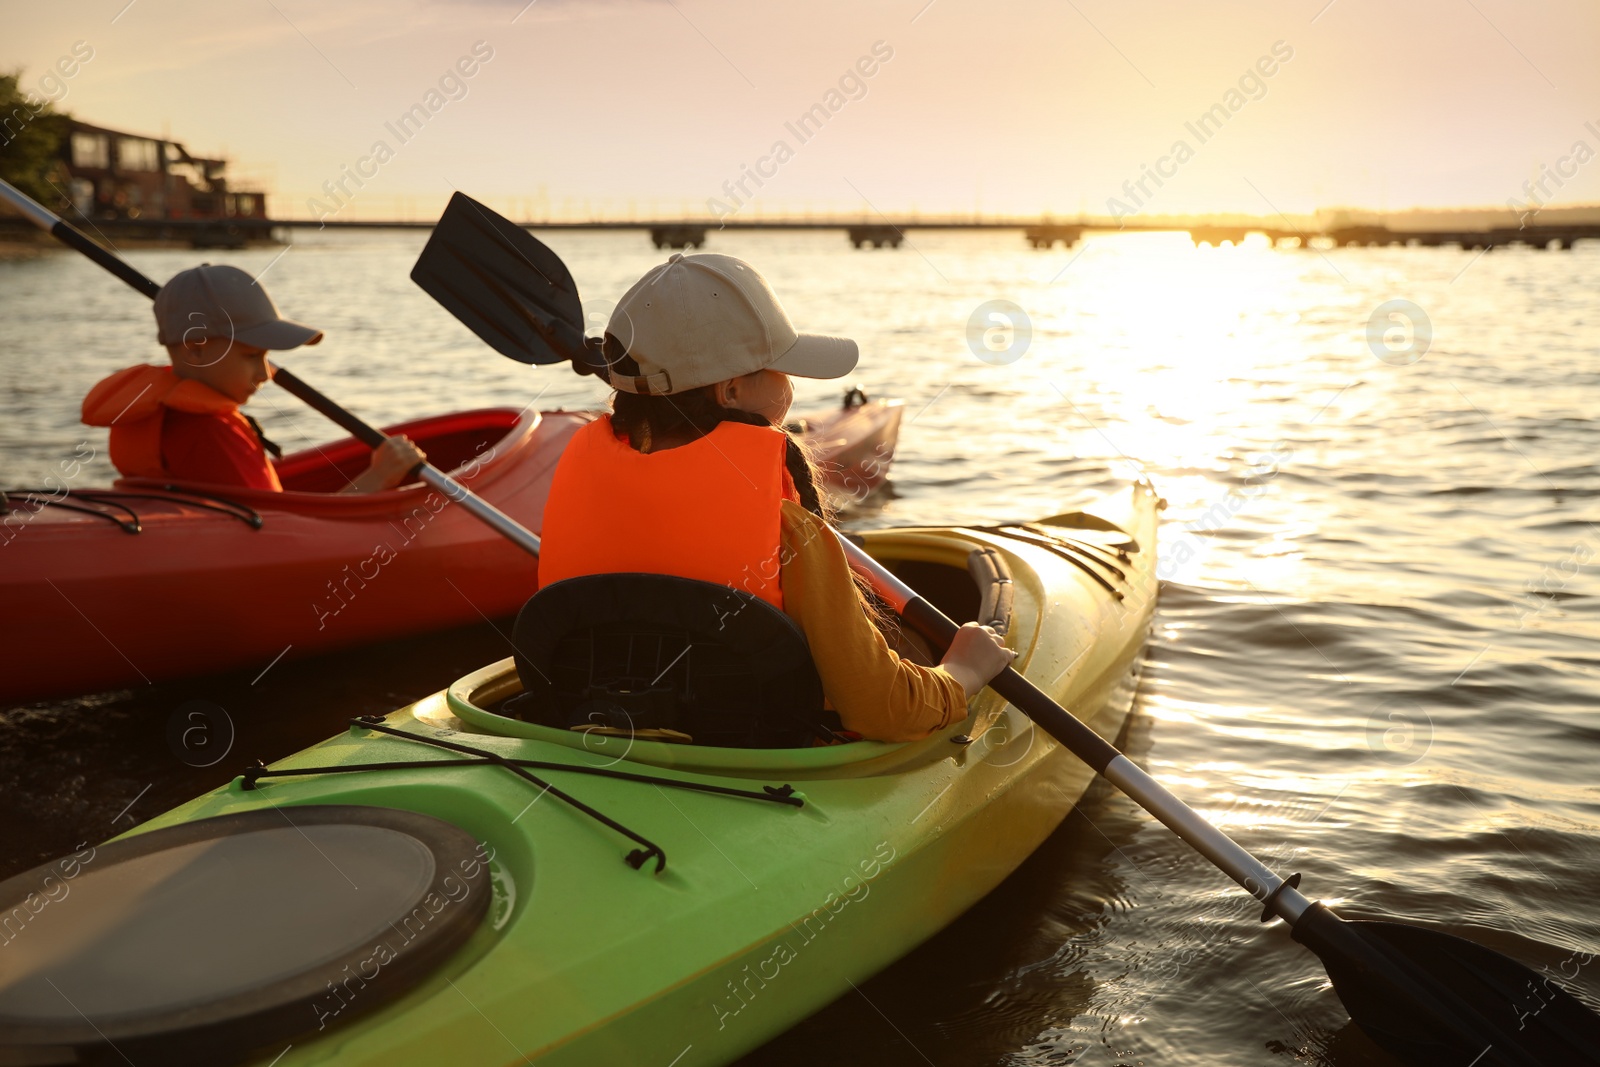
(231, 367)
(765, 392)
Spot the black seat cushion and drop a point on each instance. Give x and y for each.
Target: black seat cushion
(635, 652)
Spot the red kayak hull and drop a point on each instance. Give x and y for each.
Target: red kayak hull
(200, 590)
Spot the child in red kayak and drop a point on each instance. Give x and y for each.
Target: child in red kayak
(183, 422)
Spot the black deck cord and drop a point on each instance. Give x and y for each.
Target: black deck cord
(1088, 549)
(776, 794)
(243, 512)
(188, 497)
(636, 858)
(44, 498)
(1122, 549)
(1055, 534)
(1066, 548)
(1056, 547)
(112, 498)
(1092, 553)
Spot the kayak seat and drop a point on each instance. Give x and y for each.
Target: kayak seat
(660, 657)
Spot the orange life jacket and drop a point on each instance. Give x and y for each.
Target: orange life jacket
(708, 510)
(133, 402)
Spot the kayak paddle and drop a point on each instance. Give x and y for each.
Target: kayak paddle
(67, 234)
(1429, 997)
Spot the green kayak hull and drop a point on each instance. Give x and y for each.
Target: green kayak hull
(765, 912)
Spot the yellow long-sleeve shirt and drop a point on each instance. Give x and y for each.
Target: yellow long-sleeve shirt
(877, 694)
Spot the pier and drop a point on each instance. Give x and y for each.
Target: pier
(1045, 235)
(236, 231)
(677, 236)
(875, 236)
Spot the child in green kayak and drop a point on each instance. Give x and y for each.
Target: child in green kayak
(183, 422)
(690, 476)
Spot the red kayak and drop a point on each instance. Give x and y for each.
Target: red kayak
(145, 581)
(852, 445)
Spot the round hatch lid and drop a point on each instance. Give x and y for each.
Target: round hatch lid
(213, 939)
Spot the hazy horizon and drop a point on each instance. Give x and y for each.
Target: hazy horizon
(561, 109)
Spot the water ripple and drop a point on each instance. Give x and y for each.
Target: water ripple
(1375, 652)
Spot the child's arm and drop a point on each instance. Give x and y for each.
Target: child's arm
(877, 694)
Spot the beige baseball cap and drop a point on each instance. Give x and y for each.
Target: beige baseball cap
(695, 320)
(222, 301)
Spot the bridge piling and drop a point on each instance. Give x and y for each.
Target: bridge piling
(874, 236)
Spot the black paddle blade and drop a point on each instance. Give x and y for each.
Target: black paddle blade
(1436, 999)
(503, 283)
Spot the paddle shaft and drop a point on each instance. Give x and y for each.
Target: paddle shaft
(1228, 855)
(69, 235)
(484, 511)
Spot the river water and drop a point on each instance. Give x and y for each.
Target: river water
(1375, 659)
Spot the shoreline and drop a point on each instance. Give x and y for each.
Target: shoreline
(24, 245)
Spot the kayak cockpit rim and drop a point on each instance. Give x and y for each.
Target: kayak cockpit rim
(470, 699)
(479, 445)
(949, 550)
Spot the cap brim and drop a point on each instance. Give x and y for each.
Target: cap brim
(817, 356)
(279, 335)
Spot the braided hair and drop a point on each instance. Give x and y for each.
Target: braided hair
(644, 418)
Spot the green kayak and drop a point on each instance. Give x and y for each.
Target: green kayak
(615, 900)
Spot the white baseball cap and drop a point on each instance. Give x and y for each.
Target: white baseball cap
(223, 301)
(700, 319)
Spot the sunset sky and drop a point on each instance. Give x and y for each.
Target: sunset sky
(648, 107)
